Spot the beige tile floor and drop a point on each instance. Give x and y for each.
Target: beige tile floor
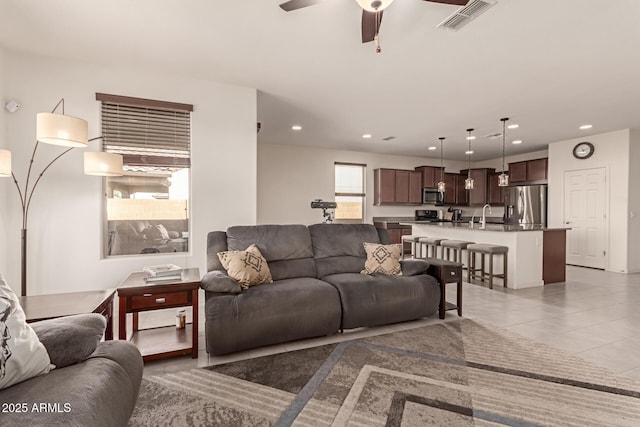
(594, 315)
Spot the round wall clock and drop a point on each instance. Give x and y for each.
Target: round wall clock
(583, 150)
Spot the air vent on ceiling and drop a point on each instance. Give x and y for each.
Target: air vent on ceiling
(389, 138)
(466, 14)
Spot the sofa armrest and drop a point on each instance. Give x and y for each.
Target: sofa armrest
(218, 281)
(70, 339)
(414, 267)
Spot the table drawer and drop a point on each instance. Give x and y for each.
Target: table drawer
(159, 300)
(451, 273)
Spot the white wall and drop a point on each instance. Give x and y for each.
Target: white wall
(612, 153)
(290, 177)
(633, 248)
(3, 181)
(65, 221)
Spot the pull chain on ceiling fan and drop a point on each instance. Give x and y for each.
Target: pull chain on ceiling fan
(371, 14)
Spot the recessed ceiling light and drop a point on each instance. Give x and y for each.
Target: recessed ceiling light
(471, 138)
(366, 136)
(517, 141)
(513, 126)
(433, 148)
(468, 152)
(585, 127)
(296, 127)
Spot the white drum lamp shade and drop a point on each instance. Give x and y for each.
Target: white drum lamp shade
(102, 164)
(5, 163)
(370, 5)
(58, 129)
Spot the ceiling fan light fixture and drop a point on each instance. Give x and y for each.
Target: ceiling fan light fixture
(374, 5)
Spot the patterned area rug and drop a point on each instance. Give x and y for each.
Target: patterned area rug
(459, 373)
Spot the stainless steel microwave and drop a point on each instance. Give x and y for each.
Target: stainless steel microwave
(431, 196)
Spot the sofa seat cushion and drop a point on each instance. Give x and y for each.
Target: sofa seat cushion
(282, 311)
(371, 300)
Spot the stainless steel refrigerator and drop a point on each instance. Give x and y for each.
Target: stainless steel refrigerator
(526, 204)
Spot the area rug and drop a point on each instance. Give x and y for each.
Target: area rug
(458, 373)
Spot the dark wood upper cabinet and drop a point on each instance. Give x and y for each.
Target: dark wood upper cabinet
(528, 172)
(397, 187)
(402, 186)
(495, 194)
(415, 188)
(479, 194)
(430, 176)
(517, 172)
(537, 170)
(385, 186)
(462, 196)
(450, 191)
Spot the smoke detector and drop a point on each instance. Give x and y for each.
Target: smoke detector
(466, 14)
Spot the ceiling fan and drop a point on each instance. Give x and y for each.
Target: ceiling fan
(371, 13)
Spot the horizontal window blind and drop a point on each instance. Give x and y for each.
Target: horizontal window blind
(151, 136)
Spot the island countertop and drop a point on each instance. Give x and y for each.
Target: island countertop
(465, 225)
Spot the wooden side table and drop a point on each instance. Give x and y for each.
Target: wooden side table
(447, 272)
(51, 306)
(136, 295)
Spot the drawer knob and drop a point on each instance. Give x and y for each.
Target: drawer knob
(160, 300)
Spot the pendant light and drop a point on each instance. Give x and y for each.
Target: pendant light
(441, 183)
(503, 178)
(468, 183)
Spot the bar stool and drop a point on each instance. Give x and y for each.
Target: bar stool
(415, 248)
(491, 250)
(429, 246)
(457, 246)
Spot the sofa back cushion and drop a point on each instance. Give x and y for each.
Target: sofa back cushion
(287, 248)
(338, 248)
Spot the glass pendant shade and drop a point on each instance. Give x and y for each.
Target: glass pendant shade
(503, 180)
(468, 183)
(5, 163)
(102, 164)
(58, 129)
(441, 186)
(374, 5)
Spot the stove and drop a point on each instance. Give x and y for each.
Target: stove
(426, 215)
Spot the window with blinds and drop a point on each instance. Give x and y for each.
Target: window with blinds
(349, 190)
(148, 207)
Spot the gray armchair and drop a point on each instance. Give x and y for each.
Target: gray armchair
(94, 383)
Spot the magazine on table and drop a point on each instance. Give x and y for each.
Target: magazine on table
(163, 272)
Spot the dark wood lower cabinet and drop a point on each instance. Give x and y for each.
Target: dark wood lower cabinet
(554, 256)
(396, 231)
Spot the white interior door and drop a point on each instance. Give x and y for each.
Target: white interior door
(585, 212)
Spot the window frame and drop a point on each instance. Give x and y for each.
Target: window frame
(362, 195)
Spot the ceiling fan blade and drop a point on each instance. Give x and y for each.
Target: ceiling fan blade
(454, 2)
(371, 22)
(290, 5)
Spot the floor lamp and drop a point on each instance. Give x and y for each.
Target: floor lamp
(66, 131)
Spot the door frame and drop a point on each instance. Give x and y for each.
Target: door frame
(607, 206)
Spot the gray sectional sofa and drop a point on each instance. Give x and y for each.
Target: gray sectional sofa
(317, 290)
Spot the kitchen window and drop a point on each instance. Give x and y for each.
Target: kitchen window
(147, 209)
(349, 190)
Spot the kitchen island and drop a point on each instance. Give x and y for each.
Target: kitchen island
(537, 254)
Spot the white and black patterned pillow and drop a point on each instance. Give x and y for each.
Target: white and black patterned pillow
(383, 259)
(22, 355)
(248, 268)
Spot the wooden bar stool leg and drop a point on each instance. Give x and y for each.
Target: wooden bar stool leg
(469, 266)
(504, 279)
(482, 266)
(490, 271)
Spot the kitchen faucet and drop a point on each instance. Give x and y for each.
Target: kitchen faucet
(473, 217)
(483, 222)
